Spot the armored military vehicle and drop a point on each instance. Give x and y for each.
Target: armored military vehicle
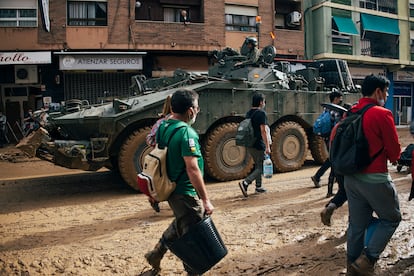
(112, 135)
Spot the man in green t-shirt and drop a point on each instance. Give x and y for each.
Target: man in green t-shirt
(189, 201)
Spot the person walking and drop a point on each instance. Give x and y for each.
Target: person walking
(151, 140)
(372, 190)
(335, 97)
(262, 145)
(337, 201)
(190, 200)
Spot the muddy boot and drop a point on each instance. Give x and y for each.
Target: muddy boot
(350, 271)
(327, 213)
(154, 256)
(330, 188)
(364, 266)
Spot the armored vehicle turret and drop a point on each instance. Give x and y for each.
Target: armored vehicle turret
(112, 135)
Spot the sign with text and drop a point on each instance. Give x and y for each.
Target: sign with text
(7, 58)
(100, 62)
(404, 76)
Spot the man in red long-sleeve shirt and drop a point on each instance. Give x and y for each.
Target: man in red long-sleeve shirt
(372, 190)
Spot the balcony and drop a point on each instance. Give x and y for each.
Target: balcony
(156, 35)
(380, 47)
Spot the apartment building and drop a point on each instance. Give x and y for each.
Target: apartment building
(55, 50)
(374, 36)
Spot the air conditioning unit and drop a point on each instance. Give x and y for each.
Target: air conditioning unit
(293, 19)
(25, 74)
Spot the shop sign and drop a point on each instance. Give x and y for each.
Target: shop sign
(361, 73)
(7, 58)
(100, 62)
(404, 76)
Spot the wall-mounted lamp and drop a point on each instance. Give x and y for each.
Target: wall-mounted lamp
(137, 4)
(173, 44)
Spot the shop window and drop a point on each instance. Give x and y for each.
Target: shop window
(87, 13)
(18, 17)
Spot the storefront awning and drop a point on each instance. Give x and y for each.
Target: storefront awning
(345, 25)
(380, 24)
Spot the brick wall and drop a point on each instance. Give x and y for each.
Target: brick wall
(178, 36)
(57, 35)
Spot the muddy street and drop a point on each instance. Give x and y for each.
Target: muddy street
(55, 221)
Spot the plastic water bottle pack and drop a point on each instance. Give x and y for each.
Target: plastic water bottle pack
(267, 167)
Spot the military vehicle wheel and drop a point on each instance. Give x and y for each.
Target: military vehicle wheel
(289, 147)
(318, 149)
(224, 160)
(131, 156)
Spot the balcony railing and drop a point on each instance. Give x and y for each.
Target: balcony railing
(379, 48)
(365, 47)
(389, 6)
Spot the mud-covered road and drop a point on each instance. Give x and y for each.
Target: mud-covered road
(55, 221)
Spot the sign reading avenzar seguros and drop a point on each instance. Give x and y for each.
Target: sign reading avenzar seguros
(100, 62)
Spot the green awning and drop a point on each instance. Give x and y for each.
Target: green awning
(345, 25)
(380, 24)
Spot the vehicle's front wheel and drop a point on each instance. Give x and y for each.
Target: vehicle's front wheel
(289, 147)
(224, 159)
(131, 156)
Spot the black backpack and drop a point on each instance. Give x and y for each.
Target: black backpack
(349, 151)
(245, 133)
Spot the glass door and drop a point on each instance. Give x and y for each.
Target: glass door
(402, 110)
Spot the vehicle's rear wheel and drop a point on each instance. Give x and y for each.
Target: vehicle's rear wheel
(289, 147)
(131, 156)
(224, 160)
(318, 149)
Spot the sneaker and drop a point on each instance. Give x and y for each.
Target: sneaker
(243, 187)
(315, 182)
(363, 266)
(260, 190)
(327, 213)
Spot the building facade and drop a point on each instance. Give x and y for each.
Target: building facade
(374, 36)
(53, 51)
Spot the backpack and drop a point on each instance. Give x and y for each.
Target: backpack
(153, 180)
(245, 133)
(349, 151)
(323, 124)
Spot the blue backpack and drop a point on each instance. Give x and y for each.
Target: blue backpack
(323, 124)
